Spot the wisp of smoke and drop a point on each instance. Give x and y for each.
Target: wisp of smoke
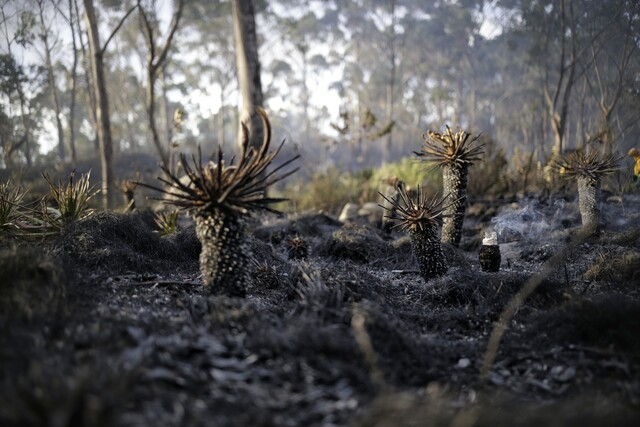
(526, 223)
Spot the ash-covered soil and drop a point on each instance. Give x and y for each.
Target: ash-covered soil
(109, 325)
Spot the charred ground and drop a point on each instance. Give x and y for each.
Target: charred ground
(109, 325)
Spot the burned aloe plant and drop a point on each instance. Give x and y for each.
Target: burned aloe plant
(454, 153)
(420, 217)
(220, 197)
(588, 168)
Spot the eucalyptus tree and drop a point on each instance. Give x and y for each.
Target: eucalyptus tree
(157, 54)
(301, 34)
(98, 49)
(611, 61)
(213, 68)
(15, 82)
(16, 130)
(69, 13)
(248, 67)
(47, 16)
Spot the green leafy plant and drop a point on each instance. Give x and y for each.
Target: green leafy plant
(10, 201)
(588, 168)
(454, 153)
(167, 222)
(420, 216)
(71, 198)
(409, 171)
(220, 196)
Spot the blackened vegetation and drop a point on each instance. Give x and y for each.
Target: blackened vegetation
(117, 244)
(113, 327)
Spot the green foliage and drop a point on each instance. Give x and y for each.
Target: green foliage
(327, 192)
(411, 172)
(331, 190)
(10, 200)
(167, 222)
(71, 198)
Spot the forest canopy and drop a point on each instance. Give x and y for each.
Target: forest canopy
(349, 84)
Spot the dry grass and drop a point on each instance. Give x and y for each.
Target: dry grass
(10, 199)
(611, 266)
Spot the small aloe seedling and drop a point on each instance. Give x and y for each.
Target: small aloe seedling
(420, 217)
(72, 199)
(167, 222)
(220, 196)
(588, 168)
(454, 153)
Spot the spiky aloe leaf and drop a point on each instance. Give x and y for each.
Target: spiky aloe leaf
(590, 164)
(449, 149)
(219, 195)
(413, 213)
(238, 189)
(420, 216)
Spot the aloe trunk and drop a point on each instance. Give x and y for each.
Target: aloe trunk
(454, 178)
(589, 202)
(225, 253)
(428, 251)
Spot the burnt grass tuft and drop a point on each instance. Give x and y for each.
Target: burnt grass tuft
(109, 324)
(117, 243)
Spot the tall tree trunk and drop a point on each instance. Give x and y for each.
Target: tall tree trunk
(391, 82)
(52, 85)
(74, 83)
(151, 116)
(102, 107)
(305, 90)
(166, 113)
(248, 64)
(220, 124)
(558, 103)
(88, 80)
(27, 127)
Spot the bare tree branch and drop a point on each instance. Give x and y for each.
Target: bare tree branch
(115, 30)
